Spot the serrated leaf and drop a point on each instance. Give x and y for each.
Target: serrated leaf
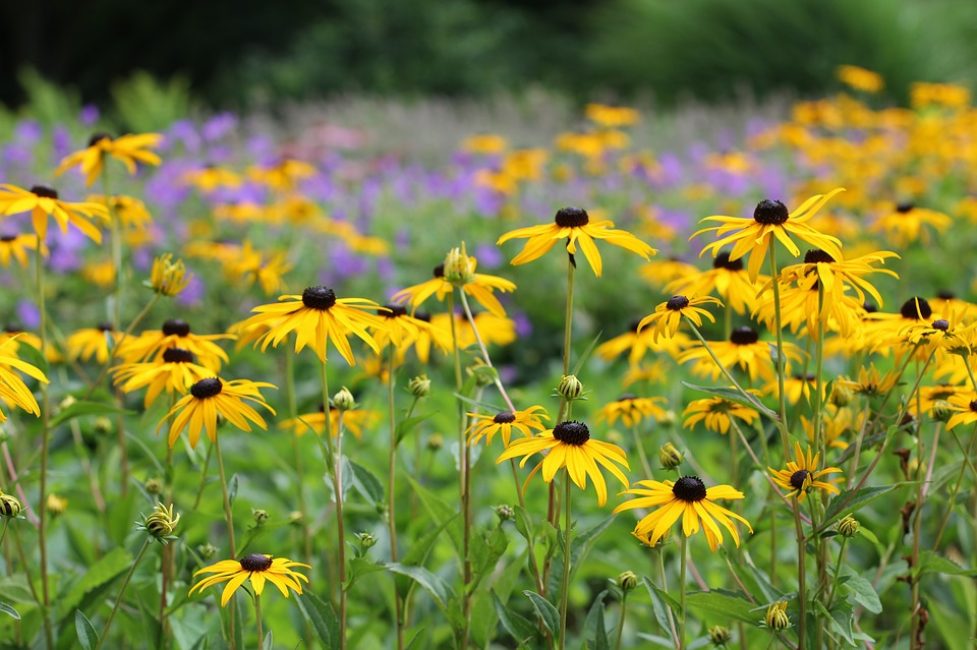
(322, 617)
(98, 574)
(431, 582)
(732, 394)
(8, 609)
(863, 593)
(82, 408)
(87, 636)
(545, 611)
(518, 627)
(850, 501)
(363, 481)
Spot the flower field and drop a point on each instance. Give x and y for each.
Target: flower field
(271, 387)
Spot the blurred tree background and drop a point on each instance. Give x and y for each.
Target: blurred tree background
(254, 53)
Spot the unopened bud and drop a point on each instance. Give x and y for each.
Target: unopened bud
(848, 526)
(669, 456)
(206, 551)
(260, 516)
(366, 540)
(153, 485)
(627, 581)
(344, 400)
(420, 386)
(504, 512)
(295, 518)
(459, 268)
(435, 442)
(484, 374)
(942, 410)
(56, 505)
(9, 505)
(103, 425)
(161, 522)
(776, 618)
(719, 636)
(569, 388)
(841, 395)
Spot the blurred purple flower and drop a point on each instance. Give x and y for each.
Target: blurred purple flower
(28, 315)
(488, 256)
(194, 292)
(219, 126)
(89, 115)
(28, 131)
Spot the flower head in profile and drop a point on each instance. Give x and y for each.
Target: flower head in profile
(168, 277)
(906, 223)
(257, 568)
(859, 78)
(43, 202)
(569, 445)
(574, 225)
(632, 409)
(727, 278)
(687, 499)
(13, 390)
(744, 350)
(173, 372)
(211, 398)
(802, 474)
(175, 333)
(964, 408)
(130, 150)
(638, 344)
(771, 219)
(667, 317)
(481, 287)
(15, 247)
(91, 343)
(355, 420)
(485, 426)
(717, 413)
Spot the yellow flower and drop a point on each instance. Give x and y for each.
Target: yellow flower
(632, 409)
(611, 116)
(743, 350)
(13, 390)
(659, 273)
(91, 342)
(835, 275)
(354, 421)
(252, 266)
(802, 474)
(128, 149)
(168, 278)
(687, 499)
(638, 344)
(964, 406)
(907, 224)
(569, 445)
(400, 329)
(132, 212)
(481, 288)
(43, 202)
(837, 422)
(257, 568)
(771, 219)
(213, 397)
(870, 381)
(485, 426)
(317, 317)
(859, 78)
(284, 175)
(487, 143)
(667, 317)
(16, 247)
(175, 333)
(717, 413)
(174, 372)
(210, 178)
(493, 330)
(573, 224)
(727, 278)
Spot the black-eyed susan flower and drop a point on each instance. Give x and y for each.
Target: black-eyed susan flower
(771, 219)
(569, 445)
(257, 568)
(837, 274)
(173, 372)
(934, 398)
(727, 278)
(964, 407)
(13, 390)
(836, 423)
(632, 409)
(717, 413)
(869, 381)
(907, 223)
(130, 211)
(130, 150)
(401, 330)
(43, 202)
(687, 499)
(212, 177)
(437, 336)
(91, 342)
(573, 224)
(317, 317)
(168, 277)
(355, 420)
(802, 474)
(175, 333)
(660, 272)
(804, 307)
(254, 267)
(15, 247)
(482, 288)
(283, 175)
(525, 421)
(797, 386)
(743, 350)
(212, 398)
(638, 343)
(664, 322)
(492, 329)
(859, 78)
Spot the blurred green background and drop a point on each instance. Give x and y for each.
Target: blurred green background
(247, 54)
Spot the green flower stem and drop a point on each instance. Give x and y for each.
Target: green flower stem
(837, 573)
(781, 361)
(203, 477)
(663, 577)
(334, 461)
(971, 450)
(257, 619)
(114, 352)
(620, 622)
(392, 493)
(45, 436)
(801, 578)
(751, 399)
(565, 592)
(122, 591)
(228, 515)
(683, 566)
(645, 464)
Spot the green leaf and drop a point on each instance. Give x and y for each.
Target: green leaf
(862, 593)
(582, 359)
(269, 643)
(363, 481)
(659, 607)
(486, 549)
(8, 609)
(580, 546)
(850, 501)
(722, 605)
(82, 408)
(16, 588)
(100, 573)
(593, 625)
(930, 562)
(359, 567)
(839, 620)
(405, 426)
(545, 611)
(87, 636)
(518, 626)
(232, 487)
(322, 617)
(438, 510)
(33, 356)
(432, 583)
(523, 523)
(732, 394)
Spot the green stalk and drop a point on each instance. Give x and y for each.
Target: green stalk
(683, 567)
(335, 459)
(801, 579)
(122, 591)
(620, 622)
(837, 573)
(565, 593)
(228, 515)
(257, 618)
(392, 493)
(464, 482)
(45, 444)
(781, 361)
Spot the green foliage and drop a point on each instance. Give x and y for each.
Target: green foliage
(145, 104)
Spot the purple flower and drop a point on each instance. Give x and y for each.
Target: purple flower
(488, 256)
(194, 292)
(89, 115)
(218, 126)
(28, 315)
(28, 132)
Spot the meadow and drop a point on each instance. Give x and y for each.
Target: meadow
(600, 377)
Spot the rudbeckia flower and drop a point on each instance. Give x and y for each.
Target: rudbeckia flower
(175, 333)
(743, 350)
(480, 288)
(632, 409)
(796, 387)
(659, 273)
(174, 372)
(727, 278)
(906, 224)
(91, 342)
(16, 247)
(573, 224)
(43, 202)
(802, 474)
(317, 317)
(667, 317)
(257, 568)
(836, 423)
(13, 390)
(131, 212)
(687, 499)
(128, 149)
(354, 421)
(213, 397)
(526, 421)
(493, 329)
(638, 344)
(771, 219)
(284, 175)
(859, 78)
(569, 445)
(964, 407)
(400, 329)
(717, 413)
(869, 381)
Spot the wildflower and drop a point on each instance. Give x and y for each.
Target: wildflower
(771, 219)
(419, 386)
(848, 526)
(859, 78)
(213, 397)
(43, 202)
(505, 513)
(257, 568)
(627, 581)
(570, 388)
(130, 211)
(56, 505)
(16, 247)
(906, 224)
(869, 381)
(13, 390)
(344, 400)
(836, 423)
(212, 177)
(485, 426)
(128, 149)
(964, 407)
(611, 116)
(727, 278)
(90, 342)
(317, 317)
(481, 287)
(161, 523)
(835, 274)
(632, 409)
(284, 175)
(717, 414)
(719, 636)
(493, 329)
(174, 371)
(669, 456)
(354, 421)
(744, 350)
(400, 328)
(485, 143)
(10, 507)
(168, 278)
(663, 272)
(667, 317)
(175, 333)
(638, 343)
(688, 499)
(252, 266)
(569, 445)
(776, 617)
(573, 224)
(802, 474)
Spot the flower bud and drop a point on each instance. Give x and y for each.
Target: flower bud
(569, 388)
(9, 505)
(942, 410)
(56, 505)
(344, 400)
(365, 540)
(435, 442)
(420, 386)
(67, 402)
(153, 485)
(295, 518)
(719, 636)
(669, 456)
(627, 581)
(459, 268)
(206, 551)
(259, 516)
(841, 395)
(168, 278)
(103, 425)
(504, 512)
(776, 618)
(161, 522)
(848, 526)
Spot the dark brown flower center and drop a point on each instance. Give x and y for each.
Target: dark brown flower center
(689, 489)
(505, 417)
(176, 327)
(722, 261)
(422, 316)
(571, 433)
(394, 311)
(207, 388)
(571, 217)
(44, 192)
(916, 309)
(104, 327)
(770, 213)
(870, 307)
(98, 137)
(973, 405)
(677, 303)
(319, 298)
(941, 324)
(817, 256)
(178, 355)
(7, 238)
(797, 479)
(255, 562)
(627, 397)
(744, 336)
(903, 208)
(438, 271)
(945, 295)
(633, 326)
